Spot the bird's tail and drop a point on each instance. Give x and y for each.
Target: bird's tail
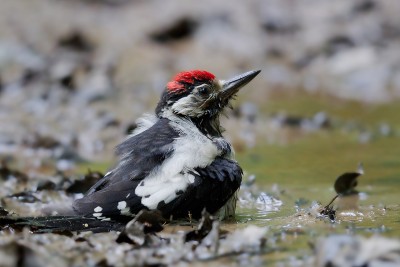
(51, 224)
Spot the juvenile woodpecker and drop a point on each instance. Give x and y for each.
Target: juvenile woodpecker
(177, 161)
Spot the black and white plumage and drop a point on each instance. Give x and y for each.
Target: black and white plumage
(177, 161)
(171, 167)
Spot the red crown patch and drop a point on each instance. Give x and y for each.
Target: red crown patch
(177, 83)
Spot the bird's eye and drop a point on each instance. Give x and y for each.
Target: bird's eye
(204, 90)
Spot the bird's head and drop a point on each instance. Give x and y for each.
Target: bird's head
(199, 95)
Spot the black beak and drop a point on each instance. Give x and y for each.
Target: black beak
(232, 86)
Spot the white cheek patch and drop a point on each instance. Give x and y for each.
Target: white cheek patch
(187, 106)
(191, 150)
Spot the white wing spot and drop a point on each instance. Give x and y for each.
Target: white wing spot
(126, 211)
(98, 209)
(128, 195)
(121, 205)
(191, 178)
(97, 214)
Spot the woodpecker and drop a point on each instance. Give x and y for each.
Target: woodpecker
(175, 161)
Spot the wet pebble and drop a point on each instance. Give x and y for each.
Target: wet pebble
(348, 250)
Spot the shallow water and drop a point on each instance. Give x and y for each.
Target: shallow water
(291, 179)
(302, 170)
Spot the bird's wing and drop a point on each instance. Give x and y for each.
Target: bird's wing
(139, 155)
(213, 186)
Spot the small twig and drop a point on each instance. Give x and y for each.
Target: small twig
(333, 199)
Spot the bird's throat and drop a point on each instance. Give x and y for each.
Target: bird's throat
(208, 125)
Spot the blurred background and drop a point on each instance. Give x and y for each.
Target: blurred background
(76, 74)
